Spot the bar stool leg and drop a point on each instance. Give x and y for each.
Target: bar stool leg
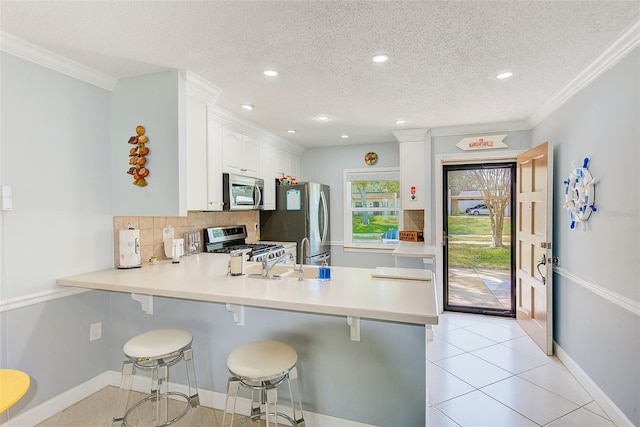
(191, 378)
(192, 384)
(232, 390)
(293, 376)
(271, 398)
(123, 394)
(159, 384)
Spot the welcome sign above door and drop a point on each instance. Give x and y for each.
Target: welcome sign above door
(482, 142)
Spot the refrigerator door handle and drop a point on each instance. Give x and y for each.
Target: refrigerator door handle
(325, 217)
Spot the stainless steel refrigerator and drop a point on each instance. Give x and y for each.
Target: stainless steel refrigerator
(302, 210)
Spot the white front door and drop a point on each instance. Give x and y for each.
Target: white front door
(534, 279)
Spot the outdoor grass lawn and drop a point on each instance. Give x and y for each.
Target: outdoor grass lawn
(471, 224)
(477, 229)
(479, 256)
(377, 224)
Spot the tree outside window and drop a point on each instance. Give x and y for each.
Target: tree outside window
(372, 208)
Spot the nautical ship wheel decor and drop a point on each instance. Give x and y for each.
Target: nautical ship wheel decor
(580, 195)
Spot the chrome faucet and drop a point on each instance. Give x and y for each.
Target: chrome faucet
(268, 264)
(303, 254)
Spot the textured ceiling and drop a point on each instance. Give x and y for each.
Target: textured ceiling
(444, 55)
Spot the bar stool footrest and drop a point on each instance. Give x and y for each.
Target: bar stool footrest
(258, 416)
(151, 397)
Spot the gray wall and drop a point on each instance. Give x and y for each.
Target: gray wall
(369, 381)
(326, 165)
(601, 334)
(154, 101)
(55, 154)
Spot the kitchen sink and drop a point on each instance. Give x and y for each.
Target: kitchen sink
(282, 271)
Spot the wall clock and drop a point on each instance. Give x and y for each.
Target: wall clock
(370, 158)
(580, 194)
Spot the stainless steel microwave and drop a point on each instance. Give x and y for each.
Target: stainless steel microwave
(242, 193)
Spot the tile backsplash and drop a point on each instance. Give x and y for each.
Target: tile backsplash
(413, 220)
(151, 228)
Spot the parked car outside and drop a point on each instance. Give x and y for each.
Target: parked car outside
(480, 209)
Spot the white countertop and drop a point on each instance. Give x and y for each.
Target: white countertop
(350, 292)
(414, 249)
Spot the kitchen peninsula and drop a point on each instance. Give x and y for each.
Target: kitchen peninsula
(379, 317)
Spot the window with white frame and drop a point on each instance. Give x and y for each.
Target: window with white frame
(372, 208)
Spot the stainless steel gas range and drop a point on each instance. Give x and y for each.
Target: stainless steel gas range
(224, 240)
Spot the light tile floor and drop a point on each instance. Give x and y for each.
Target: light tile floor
(482, 370)
(485, 371)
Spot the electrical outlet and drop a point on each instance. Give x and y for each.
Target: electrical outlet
(95, 331)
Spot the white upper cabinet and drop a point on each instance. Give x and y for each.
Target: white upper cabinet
(203, 147)
(240, 153)
(197, 168)
(214, 165)
(287, 164)
(204, 167)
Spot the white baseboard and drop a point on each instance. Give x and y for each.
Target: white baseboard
(208, 398)
(607, 405)
(53, 406)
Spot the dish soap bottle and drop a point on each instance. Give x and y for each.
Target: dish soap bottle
(324, 272)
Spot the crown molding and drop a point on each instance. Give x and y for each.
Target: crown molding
(611, 56)
(30, 52)
(521, 125)
(410, 135)
(251, 129)
(200, 88)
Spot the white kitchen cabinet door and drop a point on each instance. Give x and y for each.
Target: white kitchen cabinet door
(267, 172)
(240, 153)
(196, 159)
(251, 157)
(204, 165)
(287, 164)
(232, 150)
(214, 165)
(412, 175)
(294, 166)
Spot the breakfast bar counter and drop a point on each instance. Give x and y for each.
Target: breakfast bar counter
(361, 336)
(351, 292)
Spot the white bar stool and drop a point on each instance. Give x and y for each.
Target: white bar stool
(260, 367)
(157, 351)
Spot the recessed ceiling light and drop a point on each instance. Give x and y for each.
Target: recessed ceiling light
(401, 121)
(380, 57)
(322, 118)
(270, 73)
(247, 106)
(344, 136)
(504, 75)
(291, 131)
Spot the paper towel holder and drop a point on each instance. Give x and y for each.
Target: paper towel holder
(132, 252)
